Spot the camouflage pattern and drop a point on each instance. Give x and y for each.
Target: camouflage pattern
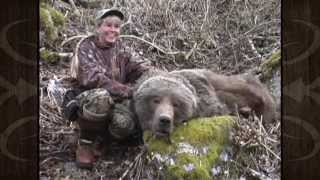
(122, 123)
(104, 115)
(95, 104)
(113, 68)
(106, 73)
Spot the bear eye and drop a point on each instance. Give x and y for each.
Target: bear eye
(156, 100)
(175, 104)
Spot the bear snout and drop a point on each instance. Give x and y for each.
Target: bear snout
(164, 122)
(164, 125)
(163, 117)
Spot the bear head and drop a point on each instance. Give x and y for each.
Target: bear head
(163, 102)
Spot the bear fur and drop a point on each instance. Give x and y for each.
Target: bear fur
(163, 100)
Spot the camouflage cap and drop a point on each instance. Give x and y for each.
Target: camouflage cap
(107, 12)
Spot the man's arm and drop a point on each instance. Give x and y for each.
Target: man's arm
(92, 75)
(135, 68)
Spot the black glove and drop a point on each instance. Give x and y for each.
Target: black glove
(70, 95)
(70, 106)
(70, 112)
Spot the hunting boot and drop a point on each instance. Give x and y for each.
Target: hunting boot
(92, 119)
(91, 142)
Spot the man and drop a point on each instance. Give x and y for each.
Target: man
(105, 69)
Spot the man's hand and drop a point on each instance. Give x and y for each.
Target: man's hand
(126, 92)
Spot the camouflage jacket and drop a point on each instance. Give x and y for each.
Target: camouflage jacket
(113, 68)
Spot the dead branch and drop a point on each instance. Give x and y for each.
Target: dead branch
(76, 11)
(151, 44)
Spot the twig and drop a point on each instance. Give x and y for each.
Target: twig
(191, 51)
(133, 162)
(51, 114)
(76, 11)
(254, 172)
(167, 9)
(272, 140)
(72, 38)
(254, 161)
(262, 24)
(64, 54)
(206, 14)
(238, 116)
(61, 132)
(60, 54)
(48, 159)
(257, 174)
(155, 46)
(57, 152)
(268, 149)
(274, 127)
(253, 48)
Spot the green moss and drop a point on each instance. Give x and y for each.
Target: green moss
(50, 21)
(202, 164)
(200, 168)
(47, 25)
(158, 145)
(161, 146)
(186, 158)
(45, 17)
(177, 172)
(213, 154)
(202, 133)
(199, 173)
(271, 64)
(57, 17)
(273, 61)
(49, 56)
(198, 132)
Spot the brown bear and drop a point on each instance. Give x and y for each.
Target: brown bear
(165, 100)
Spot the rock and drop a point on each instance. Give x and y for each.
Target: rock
(269, 66)
(193, 148)
(271, 74)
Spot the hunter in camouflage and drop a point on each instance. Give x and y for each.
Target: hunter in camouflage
(105, 70)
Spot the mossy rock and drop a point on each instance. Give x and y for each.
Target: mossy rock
(193, 148)
(271, 65)
(271, 74)
(49, 56)
(50, 21)
(57, 17)
(46, 24)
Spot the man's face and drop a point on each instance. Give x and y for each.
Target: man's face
(109, 30)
